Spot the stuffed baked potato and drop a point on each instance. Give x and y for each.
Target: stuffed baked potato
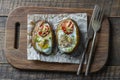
(42, 37)
(67, 35)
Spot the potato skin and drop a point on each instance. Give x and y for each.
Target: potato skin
(77, 33)
(33, 42)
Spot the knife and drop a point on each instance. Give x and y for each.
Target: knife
(89, 37)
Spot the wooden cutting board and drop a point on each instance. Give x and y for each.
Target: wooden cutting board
(16, 41)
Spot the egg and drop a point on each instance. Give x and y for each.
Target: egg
(68, 36)
(42, 37)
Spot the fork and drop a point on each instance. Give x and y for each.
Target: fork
(89, 37)
(96, 24)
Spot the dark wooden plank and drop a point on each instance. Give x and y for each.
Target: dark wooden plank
(2, 24)
(8, 72)
(111, 6)
(2, 56)
(114, 48)
(118, 8)
(107, 6)
(115, 8)
(2, 39)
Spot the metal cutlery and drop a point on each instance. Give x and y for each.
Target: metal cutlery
(96, 24)
(89, 36)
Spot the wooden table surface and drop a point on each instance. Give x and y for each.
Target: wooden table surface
(110, 72)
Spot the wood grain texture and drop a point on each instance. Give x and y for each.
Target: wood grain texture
(112, 7)
(110, 72)
(114, 48)
(10, 73)
(18, 57)
(2, 39)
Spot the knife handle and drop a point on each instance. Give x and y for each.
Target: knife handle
(82, 58)
(90, 55)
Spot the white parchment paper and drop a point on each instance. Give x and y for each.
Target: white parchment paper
(54, 19)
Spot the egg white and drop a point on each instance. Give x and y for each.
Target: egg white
(47, 50)
(70, 48)
(49, 38)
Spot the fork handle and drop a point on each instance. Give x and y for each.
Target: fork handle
(90, 55)
(82, 58)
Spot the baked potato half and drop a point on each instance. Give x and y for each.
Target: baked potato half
(42, 37)
(67, 36)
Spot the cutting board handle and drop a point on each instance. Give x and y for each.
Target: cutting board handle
(17, 35)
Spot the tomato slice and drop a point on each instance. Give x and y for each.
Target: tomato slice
(44, 30)
(67, 27)
(63, 28)
(40, 33)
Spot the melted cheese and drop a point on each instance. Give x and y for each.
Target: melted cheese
(46, 50)
(73, 35)
(40, 40)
